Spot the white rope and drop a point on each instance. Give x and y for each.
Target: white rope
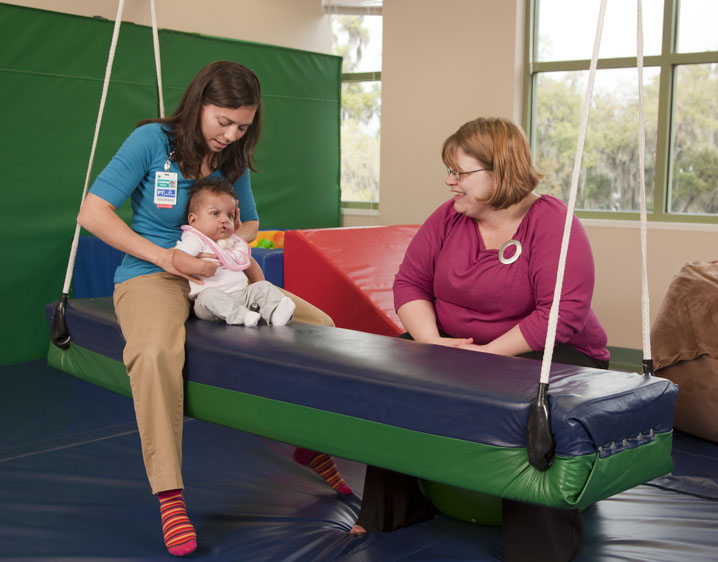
(553, 314)
(156, 43)
(645, 309)
(105, 86)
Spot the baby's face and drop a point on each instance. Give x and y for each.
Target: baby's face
(216, 216)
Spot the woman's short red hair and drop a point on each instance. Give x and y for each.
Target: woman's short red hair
(502, 146)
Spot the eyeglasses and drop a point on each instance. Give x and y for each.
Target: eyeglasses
(459, 175)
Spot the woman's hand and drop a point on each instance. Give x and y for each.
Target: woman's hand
(509, 344)
(210, 263)
(475, 347)
(99, 217)
(167, 258)
(248, 231)
(209, 268)
(419, 319)
(463, 343)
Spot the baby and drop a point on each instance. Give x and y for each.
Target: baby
(210, 249)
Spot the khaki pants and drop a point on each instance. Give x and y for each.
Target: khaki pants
(308, 313)
(152, 310)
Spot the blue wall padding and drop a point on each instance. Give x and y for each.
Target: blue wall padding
(94, 268)
(271, 260)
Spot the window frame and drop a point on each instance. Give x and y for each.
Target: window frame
(356, 8)
(357, 77)
(667, 62)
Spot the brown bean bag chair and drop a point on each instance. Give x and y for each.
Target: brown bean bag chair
(684, 342)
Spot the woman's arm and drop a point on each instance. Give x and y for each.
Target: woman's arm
(419, 319)
(249, 226)
(191, 265)
(578, 281)
(509, 343)
(98, 217)
(248, 231)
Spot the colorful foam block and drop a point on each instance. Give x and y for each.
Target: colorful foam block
(352, 273)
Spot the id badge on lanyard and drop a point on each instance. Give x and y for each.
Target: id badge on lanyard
(166, 186)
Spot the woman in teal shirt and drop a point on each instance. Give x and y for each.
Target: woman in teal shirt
(213, 132)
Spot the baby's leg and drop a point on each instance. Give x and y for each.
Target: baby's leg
(276, 308)
(213, 304)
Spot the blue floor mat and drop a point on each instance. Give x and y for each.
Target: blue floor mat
(73, 487)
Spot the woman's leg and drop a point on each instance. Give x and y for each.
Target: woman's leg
(308, 313)
(390, 501)
(152, 310)
(324, 466)
(321, 463)
(535, 533)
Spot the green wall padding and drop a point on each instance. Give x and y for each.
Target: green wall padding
(52, 66)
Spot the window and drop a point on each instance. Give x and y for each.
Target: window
(680, 82)
(357, 31)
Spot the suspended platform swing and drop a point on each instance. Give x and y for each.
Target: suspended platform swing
(445, 415)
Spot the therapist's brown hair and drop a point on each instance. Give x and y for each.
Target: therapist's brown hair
(224, 84)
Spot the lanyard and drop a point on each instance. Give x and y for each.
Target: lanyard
(169, 159)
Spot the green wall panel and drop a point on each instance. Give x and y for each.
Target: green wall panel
(52, 66)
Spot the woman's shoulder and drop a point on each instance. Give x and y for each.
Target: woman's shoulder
(547, 211)
(548, 204)
(148, 140)
(547, 217)
(151, 132)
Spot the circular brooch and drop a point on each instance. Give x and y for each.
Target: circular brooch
(517, 252)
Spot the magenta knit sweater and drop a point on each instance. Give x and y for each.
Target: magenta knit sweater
(475, 295)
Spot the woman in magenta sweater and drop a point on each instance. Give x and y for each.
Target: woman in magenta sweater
(480, 275)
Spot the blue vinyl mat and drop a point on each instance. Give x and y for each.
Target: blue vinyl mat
(73, 487)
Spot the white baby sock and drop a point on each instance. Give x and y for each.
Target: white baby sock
(283, 313)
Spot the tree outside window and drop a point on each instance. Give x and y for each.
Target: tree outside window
(357, 38)
(680, 82)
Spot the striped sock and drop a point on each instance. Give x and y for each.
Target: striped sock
(179, 534)
(324, 466)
